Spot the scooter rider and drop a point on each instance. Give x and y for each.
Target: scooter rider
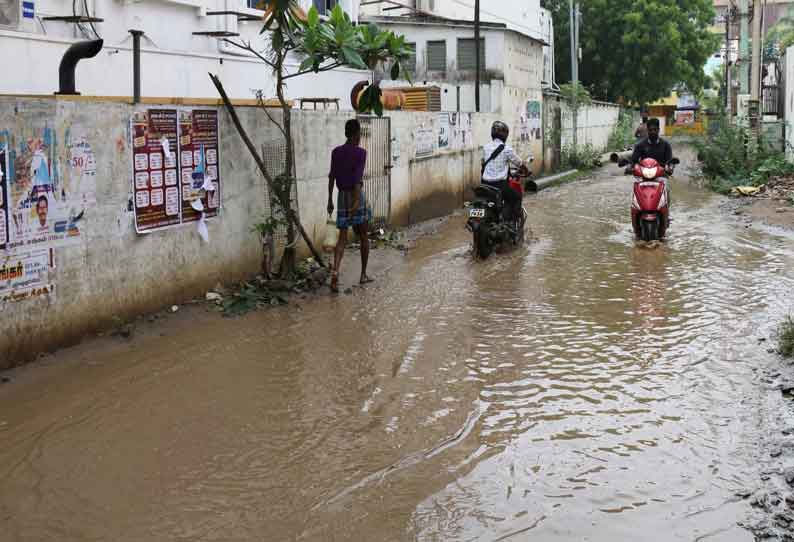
(654, 147)
(498, 156)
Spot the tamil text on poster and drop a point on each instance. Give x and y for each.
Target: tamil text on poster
(25, 275)
(155, 171)
(199, 163)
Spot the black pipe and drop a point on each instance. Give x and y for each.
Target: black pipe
(73, 55)
(136, 65)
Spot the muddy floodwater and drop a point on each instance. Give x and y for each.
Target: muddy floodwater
(583, 387)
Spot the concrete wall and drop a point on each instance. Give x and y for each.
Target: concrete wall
(112, 272)
(788, 115)
(174, 62)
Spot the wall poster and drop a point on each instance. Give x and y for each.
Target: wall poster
(154, 147)
(176, 176)
(443, 130)
(424, 139)
(534, 120)
(45, 196)
(3, 197)
(25, 275)
(198, 160)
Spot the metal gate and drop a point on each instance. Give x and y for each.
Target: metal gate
(376, 139)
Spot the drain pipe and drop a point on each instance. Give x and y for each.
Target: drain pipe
(73, 55)
(136, 65)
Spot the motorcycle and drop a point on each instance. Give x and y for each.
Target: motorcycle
(650, 204)
(486, 221)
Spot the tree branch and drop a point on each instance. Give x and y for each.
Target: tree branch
(323, 69)
(261, 100)
(247, 47)
(261, 165)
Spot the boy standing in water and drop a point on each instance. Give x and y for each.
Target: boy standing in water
(347, 171)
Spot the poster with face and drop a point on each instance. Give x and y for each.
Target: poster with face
(42, 205)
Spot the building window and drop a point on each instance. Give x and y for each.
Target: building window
(323, 6)
(437, 56)
(409, 65)
(466, 54)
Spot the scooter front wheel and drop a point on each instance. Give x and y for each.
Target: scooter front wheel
(649, 230)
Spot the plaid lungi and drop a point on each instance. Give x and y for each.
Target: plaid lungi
(344, 219)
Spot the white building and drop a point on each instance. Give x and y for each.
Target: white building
(174, 61)
(523, 16)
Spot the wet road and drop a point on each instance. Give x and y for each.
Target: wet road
(580, 388)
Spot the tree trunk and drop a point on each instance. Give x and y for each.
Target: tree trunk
(288, 258)
(261, 165)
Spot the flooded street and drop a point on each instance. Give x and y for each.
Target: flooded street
(583, 387)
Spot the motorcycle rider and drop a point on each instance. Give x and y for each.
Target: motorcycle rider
(654, 147)
(498, 156)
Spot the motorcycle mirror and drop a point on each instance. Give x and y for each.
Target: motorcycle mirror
(675, 162)
(623, 162)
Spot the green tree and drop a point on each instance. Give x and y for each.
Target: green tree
(636, 50)
(323, 45)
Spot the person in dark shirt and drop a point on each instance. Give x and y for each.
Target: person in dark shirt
(347, 171)
(653, 147)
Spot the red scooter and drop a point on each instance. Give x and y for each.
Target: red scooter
(650, 205)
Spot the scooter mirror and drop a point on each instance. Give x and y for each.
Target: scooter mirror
(675, 162)
(623, 162)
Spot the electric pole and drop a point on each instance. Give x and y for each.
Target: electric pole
(727, 63)
(755, 80)
(477, 55)
(744, 46)
(574, 68)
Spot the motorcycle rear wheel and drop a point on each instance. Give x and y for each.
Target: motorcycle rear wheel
(482, 242)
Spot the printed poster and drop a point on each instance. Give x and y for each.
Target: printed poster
(3, 197)
(199, 163)
(425, 141)
(461, 130)
(443, 130)
(26, 275)
(534, 119)
(155, 172)
(44, 197)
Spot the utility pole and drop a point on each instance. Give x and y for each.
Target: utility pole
(728, 63)
(744, 46)
(574, 67)
(755, 82)
(477, 55)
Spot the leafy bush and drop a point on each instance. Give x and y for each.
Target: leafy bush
(581, 157)
(622, 134)
(730, 157)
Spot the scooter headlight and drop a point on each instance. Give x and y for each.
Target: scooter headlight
(649, 172)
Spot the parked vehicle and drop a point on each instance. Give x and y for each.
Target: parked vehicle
(650, 204)
(487, 221)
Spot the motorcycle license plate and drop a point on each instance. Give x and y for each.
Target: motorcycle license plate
(477, 213)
